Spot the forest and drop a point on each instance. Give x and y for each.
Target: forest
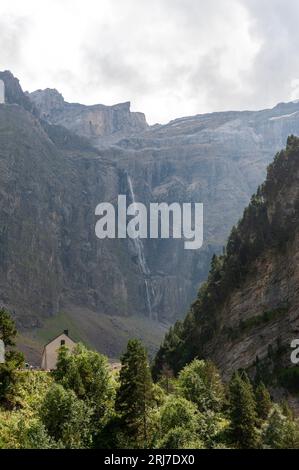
(83, 404)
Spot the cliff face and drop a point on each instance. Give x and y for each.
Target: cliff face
(60, 160)
(51, 262)
(247, 315)
(47, 212)
(218, 159)
(99, 123)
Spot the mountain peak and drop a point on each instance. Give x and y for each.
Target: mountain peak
(47, 100)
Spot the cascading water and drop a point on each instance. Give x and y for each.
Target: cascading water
(139, 248)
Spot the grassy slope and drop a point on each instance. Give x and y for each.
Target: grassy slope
(108, 335)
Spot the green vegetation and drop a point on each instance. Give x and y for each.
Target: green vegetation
(66, 418)
(280, 431)
(105, 332)
(135, 394)
(243, 412)
(263, 402)
(83, 404)
(13, 359)
(200, 382)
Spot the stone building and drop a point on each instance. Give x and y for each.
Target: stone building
(50, 353)
(2, 92)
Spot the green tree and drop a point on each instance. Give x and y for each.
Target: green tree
(63, 365)
(135, 394)
(87, 373)
(178, 424)
(178, 412)
(200, 382)
(243, 412)
(280, 431)
(180, 438)
(8, 329)
(66, 418)
(13, 359)
(263, 401)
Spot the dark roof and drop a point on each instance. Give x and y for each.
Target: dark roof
(53, 339)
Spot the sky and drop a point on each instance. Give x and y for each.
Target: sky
(169, 58)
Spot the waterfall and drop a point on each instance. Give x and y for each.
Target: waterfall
(139, 248)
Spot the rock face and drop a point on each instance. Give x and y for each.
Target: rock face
(247, 315)
(98, 123)
(218, 159)
(59, 160)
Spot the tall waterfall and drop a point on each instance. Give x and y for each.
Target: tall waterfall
(139, 248)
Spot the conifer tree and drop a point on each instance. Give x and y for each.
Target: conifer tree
(263, 401)
(243, 412)
(135, 394)
(8, 330)
(13, 359)
(280, 431)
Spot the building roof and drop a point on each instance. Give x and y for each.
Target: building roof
(53, 339)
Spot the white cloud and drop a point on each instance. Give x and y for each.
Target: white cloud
(168, 57)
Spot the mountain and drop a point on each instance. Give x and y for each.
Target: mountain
(246, 314)
(59, 160)
(218, 159)
(53, 270)
(99, 123)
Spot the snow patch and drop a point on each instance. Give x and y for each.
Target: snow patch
(284, 116)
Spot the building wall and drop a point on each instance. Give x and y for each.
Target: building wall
(50, 353)
(2, 92)
(2, 352)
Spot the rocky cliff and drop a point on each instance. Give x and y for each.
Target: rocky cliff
(53, 269)
(246, 314)
(218, 159)
(99, 123)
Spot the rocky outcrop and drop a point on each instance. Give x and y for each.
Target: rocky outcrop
(218, 159)
(99, 123)
(14, 93)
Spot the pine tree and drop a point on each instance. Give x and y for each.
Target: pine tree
(8, 330)
(135, 394)
(263, 402)
(243, 412)
(62, 365)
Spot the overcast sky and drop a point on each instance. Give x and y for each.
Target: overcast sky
(170, 58)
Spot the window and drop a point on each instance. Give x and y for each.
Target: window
(62, 342)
